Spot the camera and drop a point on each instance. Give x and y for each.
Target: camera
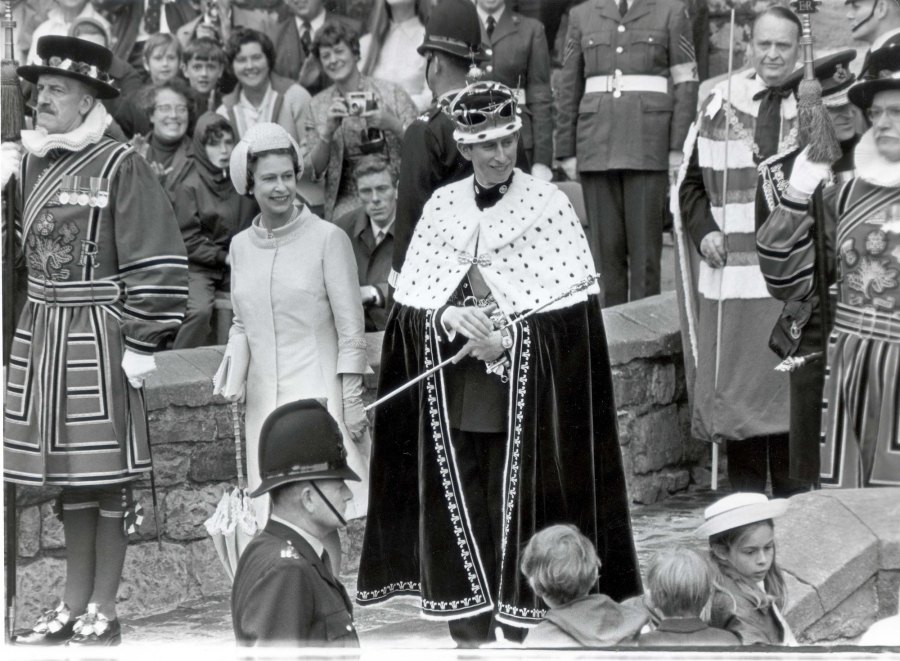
(359, 103)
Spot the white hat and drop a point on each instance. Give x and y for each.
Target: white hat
(261, 137)
(739, 509)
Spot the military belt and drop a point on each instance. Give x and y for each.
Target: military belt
(73, 293)
(619, 83)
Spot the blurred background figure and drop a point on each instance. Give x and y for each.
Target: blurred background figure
(371, 231)
(355, 116)
(167, 148)
(161, 57)
(209, 212)
(202, 65)
(59, 21)
(389, 50)
(520, 59)
(300, 21)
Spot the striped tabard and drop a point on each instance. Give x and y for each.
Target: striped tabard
(107, 271)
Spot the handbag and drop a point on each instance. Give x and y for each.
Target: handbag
(232, 373)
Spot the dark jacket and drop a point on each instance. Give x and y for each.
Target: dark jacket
(373, 263)
(521, 59)
(687, 632)
(594, 620)
(284, 595)
(290, 54)
(208, 209)
(126, 17)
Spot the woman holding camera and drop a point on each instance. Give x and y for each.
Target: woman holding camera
(355, 116)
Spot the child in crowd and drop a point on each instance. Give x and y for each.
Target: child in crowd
(680, 588)
(162, 53)
(749, 591)
(562, 568)
(202, 65)
(209, 212)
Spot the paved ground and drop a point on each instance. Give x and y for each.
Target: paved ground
(397, 623)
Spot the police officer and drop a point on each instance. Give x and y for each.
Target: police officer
(627, 95)
(520, 59)
(875, 22)
(284, 590)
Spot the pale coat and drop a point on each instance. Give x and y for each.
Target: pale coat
(296, 300)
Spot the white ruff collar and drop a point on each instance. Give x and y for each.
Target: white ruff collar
(744, 85)
(872, 166)
(529, 247)
(39, 142)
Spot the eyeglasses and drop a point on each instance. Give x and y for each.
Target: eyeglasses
(875, 113)
(168, 109)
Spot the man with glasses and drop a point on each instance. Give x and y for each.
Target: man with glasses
(860, 416)
(799, 334)
(520, 430)
(284, 591)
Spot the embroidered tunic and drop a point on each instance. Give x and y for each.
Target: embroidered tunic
(106, 271)
(860, 443)
(562, 458)
(748, 398)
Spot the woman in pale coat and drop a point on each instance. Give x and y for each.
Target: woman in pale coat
(297, 309)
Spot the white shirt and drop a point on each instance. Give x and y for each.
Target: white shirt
(375, 229)
(483, 15)
(312, 540)
(314, 24)
(398, 60)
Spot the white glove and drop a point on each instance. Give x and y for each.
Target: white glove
(354, 412)
(807, 175)
(542, 172)
(137, 366)
(10, 159)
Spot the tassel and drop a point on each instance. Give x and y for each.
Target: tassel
(12, 103)
(815, 126)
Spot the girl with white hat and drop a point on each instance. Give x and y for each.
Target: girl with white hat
(750, 592)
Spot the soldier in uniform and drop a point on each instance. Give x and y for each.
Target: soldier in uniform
(875, 22)
(627, 95)
(107, 285)
(520, 59)
(284, 591)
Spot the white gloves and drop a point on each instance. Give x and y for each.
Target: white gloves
(10, 159)
(542, 172)
(807, 175)
(137, 366)
(354, 412)
(570, 167)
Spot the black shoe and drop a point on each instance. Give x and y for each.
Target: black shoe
(54, 627)
(95, 629)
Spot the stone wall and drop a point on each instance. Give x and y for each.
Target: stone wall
(194, 459)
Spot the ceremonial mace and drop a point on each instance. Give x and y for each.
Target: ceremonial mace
(12, 121)
(574, 289)
(714, 480)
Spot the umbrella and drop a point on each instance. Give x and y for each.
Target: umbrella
(233, 524)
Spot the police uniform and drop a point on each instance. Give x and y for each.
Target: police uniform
(284, 591)
(520, 59)
(284, 594)
(627, 95)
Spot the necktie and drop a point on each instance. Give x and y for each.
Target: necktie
(151, 16)
(768, 121)
(306, 37)
(379, 237)
(491, 24)
(326, 560)
(623, 7)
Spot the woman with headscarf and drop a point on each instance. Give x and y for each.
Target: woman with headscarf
(298, 327)
(209, 212)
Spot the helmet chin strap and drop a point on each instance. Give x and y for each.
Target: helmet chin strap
(857, 26)
(328, 502)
